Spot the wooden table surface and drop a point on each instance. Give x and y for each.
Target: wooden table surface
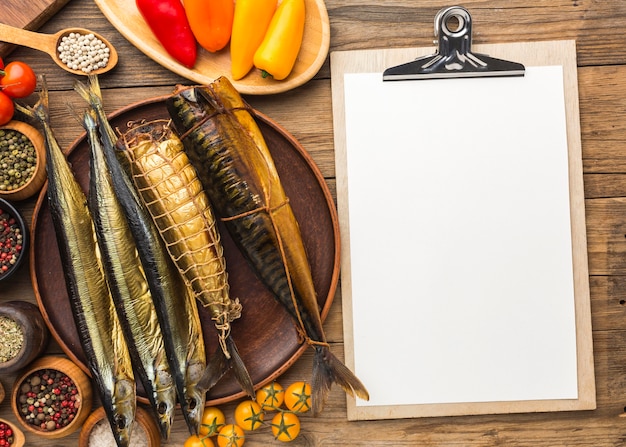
(306, 112)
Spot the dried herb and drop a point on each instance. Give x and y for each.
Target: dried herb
(12, 338)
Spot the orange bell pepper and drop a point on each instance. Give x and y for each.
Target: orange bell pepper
(252, 18)
(279, 50)
(211, 22)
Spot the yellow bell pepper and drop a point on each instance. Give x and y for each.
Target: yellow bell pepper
(280, 47)
(252, 18)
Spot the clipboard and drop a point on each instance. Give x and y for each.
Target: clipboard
(399, 309)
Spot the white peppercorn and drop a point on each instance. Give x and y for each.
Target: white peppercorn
(84, 52)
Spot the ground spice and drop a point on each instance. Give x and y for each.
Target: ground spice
(6, 435)
(18, 160)
(11, 241)
(48, 399)
(12, 338)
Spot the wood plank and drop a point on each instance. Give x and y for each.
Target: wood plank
(29, 15)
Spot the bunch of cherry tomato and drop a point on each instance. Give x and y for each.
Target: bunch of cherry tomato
(251, 415)
(17, 80)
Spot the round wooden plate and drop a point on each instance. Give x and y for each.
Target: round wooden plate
(265, 334)
(126, 18)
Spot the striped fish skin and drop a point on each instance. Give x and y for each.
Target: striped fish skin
(174, 301)
(128, 285)
(239, 176)
(92, 306)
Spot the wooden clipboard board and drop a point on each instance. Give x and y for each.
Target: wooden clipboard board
(531, 54)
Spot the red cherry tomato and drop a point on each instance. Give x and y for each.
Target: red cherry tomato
(6, 109)
(19, 80)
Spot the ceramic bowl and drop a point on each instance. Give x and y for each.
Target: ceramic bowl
(17, 435)
(34, 331)
(7, 207)
(98, 419)
(81, 398)
(38, 178)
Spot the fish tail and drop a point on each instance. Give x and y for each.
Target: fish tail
(328, 369)
(219, 364)
(39, 111)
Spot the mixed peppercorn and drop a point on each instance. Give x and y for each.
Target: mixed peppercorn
(11, 241)
(18, 160)
(48, 399)
(6, 435)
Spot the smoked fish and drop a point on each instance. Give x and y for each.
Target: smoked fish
(128, 285)
(238, 174)
(170, 190)
(93, 309)
(175, 306)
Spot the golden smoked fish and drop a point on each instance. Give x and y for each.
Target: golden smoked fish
(92, 306)
(239, 176)
(174, 303)
(128, 285)
(172, 193)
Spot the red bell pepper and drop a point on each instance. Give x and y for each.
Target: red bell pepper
(169, 24)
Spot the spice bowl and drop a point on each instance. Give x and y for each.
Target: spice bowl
(11, 435)
(14, 239)
(24, 335)
(22, 161)
(96, 431)
(61, 388)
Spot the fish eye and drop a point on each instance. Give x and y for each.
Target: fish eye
(120, 422)
(162, 408)
(192, 404)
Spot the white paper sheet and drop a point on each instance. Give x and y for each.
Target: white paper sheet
(460, 241)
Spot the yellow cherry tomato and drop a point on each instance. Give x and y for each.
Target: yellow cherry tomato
(249, 415)
(271, 396)
(198, 441)
(212, 420)
(285, 426)
(231, 435)
(298, 397)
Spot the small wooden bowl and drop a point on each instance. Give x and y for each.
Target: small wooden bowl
(25, 229)
(19, 440)
(38, 178)
(142, 417)
(34, 329)
(77, 376)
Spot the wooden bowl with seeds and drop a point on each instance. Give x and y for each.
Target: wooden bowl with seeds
(22, 161)
(14, 239)
(11, 434)
(25, 335)
(60, 389)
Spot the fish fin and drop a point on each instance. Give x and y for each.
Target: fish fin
(218, 366)
(239, 368)
(328, 369)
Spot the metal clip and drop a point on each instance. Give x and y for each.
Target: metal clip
(454, 58)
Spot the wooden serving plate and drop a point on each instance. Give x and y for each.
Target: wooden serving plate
(124, 15)
(265, 334)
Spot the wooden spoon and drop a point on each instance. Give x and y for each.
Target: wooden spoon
(48, 43)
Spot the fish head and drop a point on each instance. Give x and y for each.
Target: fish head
(195, 398)
(165, 402)
(124, 408)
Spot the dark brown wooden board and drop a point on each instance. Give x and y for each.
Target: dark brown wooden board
(27, 14)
